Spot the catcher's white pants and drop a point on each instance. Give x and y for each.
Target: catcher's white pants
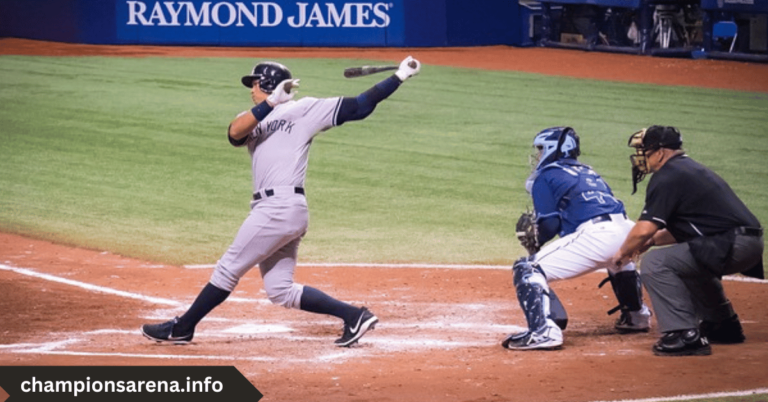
(589, 248)
(269, 237)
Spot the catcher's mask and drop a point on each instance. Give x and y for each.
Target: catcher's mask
(269, 74)
(648, 140)
(554, 144)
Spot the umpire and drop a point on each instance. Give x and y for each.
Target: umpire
(712, 234)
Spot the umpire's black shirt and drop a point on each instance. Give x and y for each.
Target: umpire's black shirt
(690, 200)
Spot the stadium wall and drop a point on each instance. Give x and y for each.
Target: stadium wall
(332, 23)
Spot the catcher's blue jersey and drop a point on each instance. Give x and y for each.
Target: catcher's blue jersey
(574, 193)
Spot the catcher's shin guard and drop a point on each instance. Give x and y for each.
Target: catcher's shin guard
(628, 290)
(557, 311)
(533, 293)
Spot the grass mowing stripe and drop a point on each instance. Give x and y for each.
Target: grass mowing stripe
(130, 155)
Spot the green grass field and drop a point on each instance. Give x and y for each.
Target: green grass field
(745, 398)
(131, 156)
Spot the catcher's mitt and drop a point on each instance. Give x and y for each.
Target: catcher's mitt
(527, 233)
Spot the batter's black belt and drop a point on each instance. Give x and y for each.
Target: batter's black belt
(747, 231)
(270, 192)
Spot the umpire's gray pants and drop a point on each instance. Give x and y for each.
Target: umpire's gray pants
(682, 292)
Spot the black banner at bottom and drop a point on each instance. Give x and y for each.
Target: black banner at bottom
(100, 383)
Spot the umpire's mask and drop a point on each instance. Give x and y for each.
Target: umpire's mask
(639, 163)
(650, 139)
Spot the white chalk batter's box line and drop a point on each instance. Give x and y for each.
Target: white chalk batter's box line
(374, 345)
(390, 342)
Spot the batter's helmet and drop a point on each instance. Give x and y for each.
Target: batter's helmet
(556, 143)
(269, 75)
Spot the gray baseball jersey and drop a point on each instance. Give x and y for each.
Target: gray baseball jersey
(270, 235)
(279, 145)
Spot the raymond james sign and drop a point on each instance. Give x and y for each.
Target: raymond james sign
(348, 23)
(266, 14)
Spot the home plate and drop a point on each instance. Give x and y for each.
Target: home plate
(257, 329)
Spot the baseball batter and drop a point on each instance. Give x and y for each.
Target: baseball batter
(278, 132)
(571, 200)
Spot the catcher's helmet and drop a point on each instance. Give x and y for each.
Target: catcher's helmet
(554, 144)
(269, 74)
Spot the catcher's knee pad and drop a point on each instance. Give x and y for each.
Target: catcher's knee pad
(628, 290)
(526, 271)
(531, 284)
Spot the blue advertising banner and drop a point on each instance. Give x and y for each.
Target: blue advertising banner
(601, 3)
(743, 6)
(350, 23)
(275, 23)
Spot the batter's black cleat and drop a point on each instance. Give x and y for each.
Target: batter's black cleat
(687, 342)
(726, 332)
(352, 333)
(164, 333)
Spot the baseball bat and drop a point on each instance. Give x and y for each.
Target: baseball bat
(354, 72)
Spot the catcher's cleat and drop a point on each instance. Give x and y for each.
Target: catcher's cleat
(688, 342)
(352, 333)
(726, 332)
(164, 333)
(514, 338)
(548, 338)
(634, 321)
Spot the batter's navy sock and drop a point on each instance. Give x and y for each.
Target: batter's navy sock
(207, 300)
(315, 301)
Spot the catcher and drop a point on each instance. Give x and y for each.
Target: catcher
(570, 200)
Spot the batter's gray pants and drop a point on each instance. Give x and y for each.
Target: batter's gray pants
(269, 237)
(682, 292)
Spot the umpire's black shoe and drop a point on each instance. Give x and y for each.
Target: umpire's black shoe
(687, 342)
(164, 332)
(726, 332)
(352, 333)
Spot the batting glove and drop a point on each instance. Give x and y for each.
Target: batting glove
(284, 92)
(408, 68)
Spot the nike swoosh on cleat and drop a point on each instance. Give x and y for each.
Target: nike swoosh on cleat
(357, 326)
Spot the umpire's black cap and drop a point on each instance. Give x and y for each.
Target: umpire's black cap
(662, 137)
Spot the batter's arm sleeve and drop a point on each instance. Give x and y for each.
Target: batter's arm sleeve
(359, 107)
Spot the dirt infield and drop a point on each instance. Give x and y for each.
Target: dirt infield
(440, 329)
(438, 339)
